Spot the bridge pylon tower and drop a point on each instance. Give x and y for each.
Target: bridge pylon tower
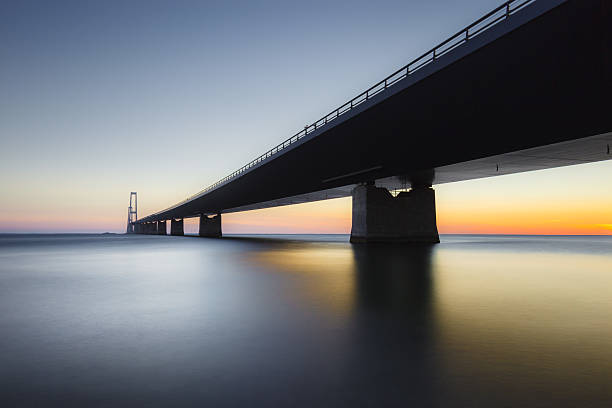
(132, 213)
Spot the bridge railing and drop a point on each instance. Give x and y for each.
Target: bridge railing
(502, 12)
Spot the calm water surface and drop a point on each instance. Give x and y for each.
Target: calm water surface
(479, 321)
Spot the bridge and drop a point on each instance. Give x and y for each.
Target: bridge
(527, 86)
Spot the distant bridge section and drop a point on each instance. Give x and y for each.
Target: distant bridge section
(527, 86)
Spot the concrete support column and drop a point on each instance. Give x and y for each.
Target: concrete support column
(138, 228)
(151, 228)
(161, 227)
(210, 226)
(380, 217)
(176, 227)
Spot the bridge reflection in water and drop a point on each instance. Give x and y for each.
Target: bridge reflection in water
(476, 320)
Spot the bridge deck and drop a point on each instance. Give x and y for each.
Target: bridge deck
(528, 89)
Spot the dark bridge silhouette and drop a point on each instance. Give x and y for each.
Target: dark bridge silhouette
(526, 87)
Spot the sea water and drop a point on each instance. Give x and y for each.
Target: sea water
(305, 321)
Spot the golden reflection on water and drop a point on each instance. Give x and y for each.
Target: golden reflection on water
(343, 279)
(542, 316)
(325, 272)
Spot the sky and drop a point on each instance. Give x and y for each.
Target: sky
(98, 99)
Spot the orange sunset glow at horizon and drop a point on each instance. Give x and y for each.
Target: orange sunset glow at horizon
(574, 200)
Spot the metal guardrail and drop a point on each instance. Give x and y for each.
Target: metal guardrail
(500, 13)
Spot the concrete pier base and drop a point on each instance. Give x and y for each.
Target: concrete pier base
(161, 227)
(138, 228)
(210, 226)
(380, 217)
(176, 227)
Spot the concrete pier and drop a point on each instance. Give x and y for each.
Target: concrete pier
(176, 227)
(161, 227)
(380, 217)
(151, 228)
(210, 226)
(137, 228)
